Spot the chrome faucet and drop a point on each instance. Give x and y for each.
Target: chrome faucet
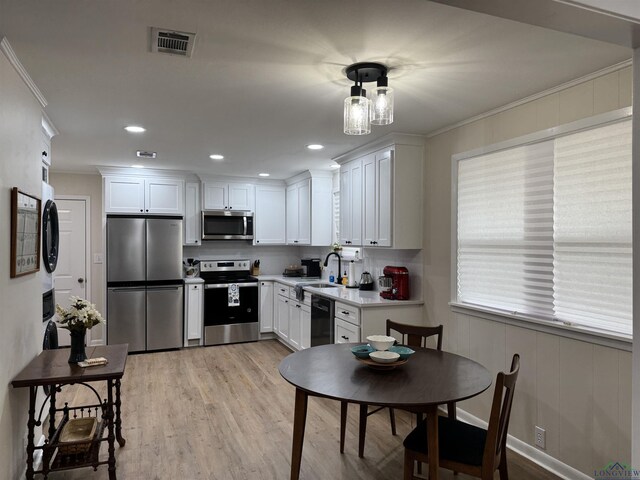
(326, 262)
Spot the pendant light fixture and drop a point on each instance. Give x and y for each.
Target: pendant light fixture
(359, 111)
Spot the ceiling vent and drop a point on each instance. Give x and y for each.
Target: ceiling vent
(174, 43)
(144, 154)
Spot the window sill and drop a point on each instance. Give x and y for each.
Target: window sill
(576, 332)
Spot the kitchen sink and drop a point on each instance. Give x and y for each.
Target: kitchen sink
(321, 285)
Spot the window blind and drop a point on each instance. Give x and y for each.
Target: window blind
(592, 228)
(545, 229)
(505, 229)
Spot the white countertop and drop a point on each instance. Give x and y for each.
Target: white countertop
(193, 280)
(353, 296)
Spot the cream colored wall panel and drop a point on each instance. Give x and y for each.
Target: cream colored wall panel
(576, 404)
(487, 347)
(548, 389)
(547, 111)
(625, 87)
(523, 414)
(470, 136)
(604, 439)
(605, 93)
(624, 407)
(515, 122)
(576, 102)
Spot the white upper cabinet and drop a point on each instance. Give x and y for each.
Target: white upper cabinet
(143, 195)
(381, 199)
(377, 199)
(163, 196)
(270, 215)
(192, 217)
(351, 203)
(228, 196)
(309, 212)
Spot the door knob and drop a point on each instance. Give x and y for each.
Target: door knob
(81, 280)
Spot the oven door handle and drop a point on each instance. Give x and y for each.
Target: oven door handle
(226, 285)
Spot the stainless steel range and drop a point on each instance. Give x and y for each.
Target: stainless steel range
(230, 302)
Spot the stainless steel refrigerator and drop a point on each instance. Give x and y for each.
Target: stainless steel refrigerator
(144, 282)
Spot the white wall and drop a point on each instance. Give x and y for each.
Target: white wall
(20, 298)
(579, 392)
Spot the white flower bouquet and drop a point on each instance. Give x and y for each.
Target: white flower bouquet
(80, 315)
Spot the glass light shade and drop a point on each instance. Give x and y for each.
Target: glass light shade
(382, 106)
(356, 115)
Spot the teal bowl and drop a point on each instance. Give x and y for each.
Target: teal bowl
(362, 351)
(404, 352)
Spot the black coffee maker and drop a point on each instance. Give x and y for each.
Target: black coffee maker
(310, 267)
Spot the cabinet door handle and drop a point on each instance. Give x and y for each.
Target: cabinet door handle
(230, 208)
(345, 338)
(297, 306)
(345, 313)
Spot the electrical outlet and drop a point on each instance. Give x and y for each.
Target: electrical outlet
(97, 258)
(541, 437)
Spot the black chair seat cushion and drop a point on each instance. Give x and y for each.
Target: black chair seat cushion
(459, 441)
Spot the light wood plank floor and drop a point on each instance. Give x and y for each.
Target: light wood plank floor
(225, 413)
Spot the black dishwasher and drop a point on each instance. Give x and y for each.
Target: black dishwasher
(321, 321)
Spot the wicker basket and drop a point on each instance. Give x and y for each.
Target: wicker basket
(77, 430)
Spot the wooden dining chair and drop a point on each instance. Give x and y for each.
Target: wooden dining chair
(413, 336)
(466, 448)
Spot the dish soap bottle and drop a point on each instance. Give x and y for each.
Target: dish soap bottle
(345, 280)
(332, 277)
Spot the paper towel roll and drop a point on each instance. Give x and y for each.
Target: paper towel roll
(352, 274)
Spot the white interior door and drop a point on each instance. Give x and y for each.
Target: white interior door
(70, 276)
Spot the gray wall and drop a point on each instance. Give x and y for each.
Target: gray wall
(579, 392)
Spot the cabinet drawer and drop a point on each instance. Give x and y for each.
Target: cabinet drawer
(305, 301)
(347, 312)
(346, 332)
(282, 290)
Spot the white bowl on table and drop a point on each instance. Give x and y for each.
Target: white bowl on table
(380, 342)
(384, 357)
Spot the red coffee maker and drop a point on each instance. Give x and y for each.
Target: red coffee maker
(399, 283)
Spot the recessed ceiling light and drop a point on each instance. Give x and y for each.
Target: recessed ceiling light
(315, 146)
(137, 166)
(263, 174)
(135, 129)
(216, 157)
(335, 165)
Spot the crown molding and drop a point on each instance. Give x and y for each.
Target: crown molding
(6, 48)
(388, 140)
(536, 96)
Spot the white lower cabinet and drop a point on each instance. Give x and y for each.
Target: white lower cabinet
(295, 324)
(193, 308)
(347, 323)
(282, 317)
(305, 326)
(346, 332)
(266, 307)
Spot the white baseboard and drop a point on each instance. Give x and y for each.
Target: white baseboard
(546, 461)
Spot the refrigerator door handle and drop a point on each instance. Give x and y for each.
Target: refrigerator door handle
(172, 287)
(126, 289)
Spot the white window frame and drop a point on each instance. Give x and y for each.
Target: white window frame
(583, 333)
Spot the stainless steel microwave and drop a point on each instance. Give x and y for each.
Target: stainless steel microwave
(227, 225)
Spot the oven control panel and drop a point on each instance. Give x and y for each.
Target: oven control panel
(224, 265)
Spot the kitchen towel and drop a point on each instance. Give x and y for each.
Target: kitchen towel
(234, 295)
(299, 293)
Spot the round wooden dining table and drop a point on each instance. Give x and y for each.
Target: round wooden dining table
(430, 378)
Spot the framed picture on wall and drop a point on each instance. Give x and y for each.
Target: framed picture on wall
(25, 233)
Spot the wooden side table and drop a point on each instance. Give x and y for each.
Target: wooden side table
(51, 368)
